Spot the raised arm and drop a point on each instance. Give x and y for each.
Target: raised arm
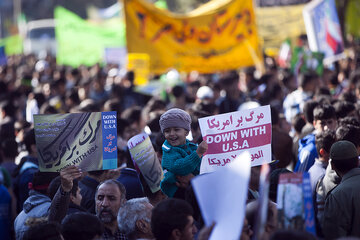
(61, 200)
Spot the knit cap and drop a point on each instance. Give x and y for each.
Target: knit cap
(343, 150)
(175, 117)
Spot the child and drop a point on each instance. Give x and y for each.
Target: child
(180, 156)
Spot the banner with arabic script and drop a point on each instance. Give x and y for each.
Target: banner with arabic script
(145, 158)
(87, 140)
(219, 35)
(276, 24)
(230, 134)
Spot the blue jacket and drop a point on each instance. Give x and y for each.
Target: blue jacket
(5, 213)
(307, 153)
(36, 206)
(180, 160)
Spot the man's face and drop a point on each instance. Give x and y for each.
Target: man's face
(176, 136)
(326, 124)
(108, 202)
(189, 231)
(147, 229)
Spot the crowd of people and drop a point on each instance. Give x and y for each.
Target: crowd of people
(315, 129)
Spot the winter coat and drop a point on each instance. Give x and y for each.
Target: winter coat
(307, 153)
(180, 160)
(36, 206)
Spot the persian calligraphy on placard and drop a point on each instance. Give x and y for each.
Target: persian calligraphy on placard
(88, 140)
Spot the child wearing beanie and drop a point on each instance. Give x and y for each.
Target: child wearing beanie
(180, 156)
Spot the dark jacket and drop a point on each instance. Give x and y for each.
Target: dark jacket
(130, 180)
(73, 208)
(23, 178)
(88, 189)
(342, 211)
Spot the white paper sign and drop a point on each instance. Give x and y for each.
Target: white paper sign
(230, 134)
(222, 197)
(143, 154)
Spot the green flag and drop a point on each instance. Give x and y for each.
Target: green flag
(13, 45)
(303, 61)
(80, 42)
(352, 18)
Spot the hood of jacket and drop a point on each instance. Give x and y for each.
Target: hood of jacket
(35, 199)
(307, 140)
(331, 179)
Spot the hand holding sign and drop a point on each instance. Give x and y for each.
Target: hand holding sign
(67, 176)
(202, 148)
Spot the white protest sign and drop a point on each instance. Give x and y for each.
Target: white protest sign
(230, 134)
(143, 154)
(224, 201)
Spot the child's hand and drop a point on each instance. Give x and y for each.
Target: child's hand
(202, 148)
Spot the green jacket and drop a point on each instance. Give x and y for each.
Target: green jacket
(180, 160)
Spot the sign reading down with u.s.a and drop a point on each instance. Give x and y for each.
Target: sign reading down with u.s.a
(87, 140)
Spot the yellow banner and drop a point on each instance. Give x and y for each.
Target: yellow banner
(139, 63)
(276, 24)
(352, 18)
(220, 35)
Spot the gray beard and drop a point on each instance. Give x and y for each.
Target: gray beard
(107, 218)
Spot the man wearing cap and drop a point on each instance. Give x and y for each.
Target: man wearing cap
(342, 207)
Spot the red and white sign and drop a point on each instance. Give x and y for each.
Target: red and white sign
(230, 134)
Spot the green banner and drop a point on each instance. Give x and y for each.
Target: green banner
(13, 45)
(303, 61)
(81, 42)
(352, 18)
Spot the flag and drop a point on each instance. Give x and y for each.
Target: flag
(323, 28)
(276, 24)
(352, 18)
(80, 42)
(13, 44)
(304, 60)
(284, 54)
